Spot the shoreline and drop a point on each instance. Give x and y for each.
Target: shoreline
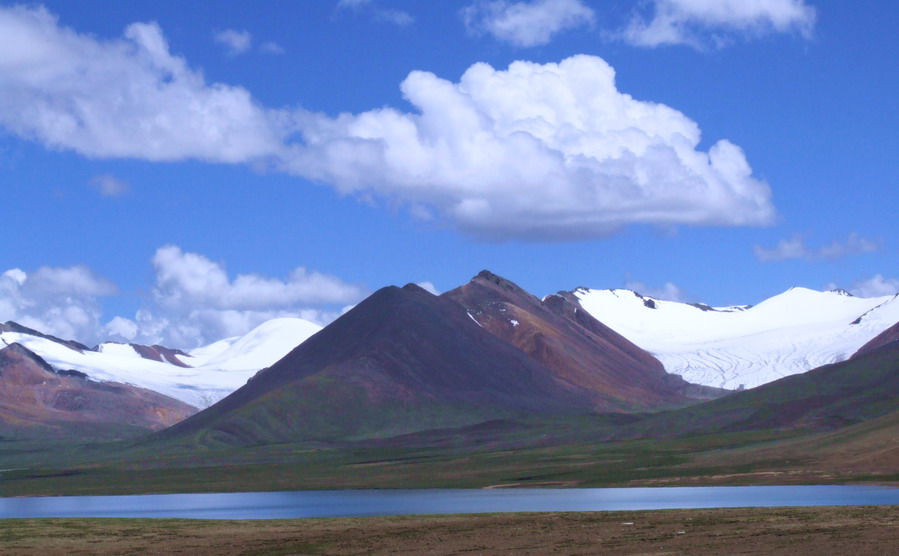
(797, 531)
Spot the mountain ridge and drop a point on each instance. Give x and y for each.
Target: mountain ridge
(216, 370)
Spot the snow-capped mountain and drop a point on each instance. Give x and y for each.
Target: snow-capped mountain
(198, 378)
(743, 346)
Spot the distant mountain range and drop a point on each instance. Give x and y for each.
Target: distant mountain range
(33, 395)
(405, 360)
(199, 378)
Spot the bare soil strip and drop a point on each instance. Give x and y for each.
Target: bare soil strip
(855, 530)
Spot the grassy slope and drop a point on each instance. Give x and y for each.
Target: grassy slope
(332, 410)
(502, 453)
(830, 397)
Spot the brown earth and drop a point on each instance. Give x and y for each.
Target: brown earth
(577, 348)
(857, 530)
(33, 396)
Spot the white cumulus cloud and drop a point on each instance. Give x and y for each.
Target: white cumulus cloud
(668, 292)
(526, 24)
(796, 248)
(62, 301)
(700, 22)
(236, 42)
(195, 301)
(108, 185)
(875, 286)
(128, 97)
(271, 47)
(429, 287)
(194, 280)
(537, 151)
(533, 152)
(397, 17)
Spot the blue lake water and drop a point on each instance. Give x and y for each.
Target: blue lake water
(346, 503)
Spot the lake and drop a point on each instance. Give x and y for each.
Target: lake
(347, 503)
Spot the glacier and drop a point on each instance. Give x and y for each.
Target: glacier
(212, 371)
(744, 346)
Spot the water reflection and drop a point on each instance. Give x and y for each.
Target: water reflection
(346, 503)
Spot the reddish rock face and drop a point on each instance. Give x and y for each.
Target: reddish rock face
(161, 353)
(576, 347)
(32, 394)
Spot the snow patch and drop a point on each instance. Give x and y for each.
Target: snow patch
(216, 370)
(474, 319)
(787, 334)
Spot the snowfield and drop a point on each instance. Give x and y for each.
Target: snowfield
(215, 370)
(733, 347)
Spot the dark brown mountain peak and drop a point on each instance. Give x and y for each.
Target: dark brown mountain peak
(401, 361)
(488, 297)
(487, 277)
(420, 344)
(411, 287)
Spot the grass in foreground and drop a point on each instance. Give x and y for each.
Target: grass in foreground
(561, 453)
(291, 467)
(796, 531)
(706, 460)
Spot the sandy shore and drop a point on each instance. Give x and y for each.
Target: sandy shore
(794, 531)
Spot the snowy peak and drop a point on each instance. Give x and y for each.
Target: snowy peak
(258, 348)
(635, 301)
(199, 378)
(487, 277)
(729, 347)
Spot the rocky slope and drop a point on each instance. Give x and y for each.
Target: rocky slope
(37, 400)
(562, 336)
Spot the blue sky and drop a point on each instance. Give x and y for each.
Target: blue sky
(178, 173)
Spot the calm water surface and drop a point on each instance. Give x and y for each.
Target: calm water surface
(346, 503)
